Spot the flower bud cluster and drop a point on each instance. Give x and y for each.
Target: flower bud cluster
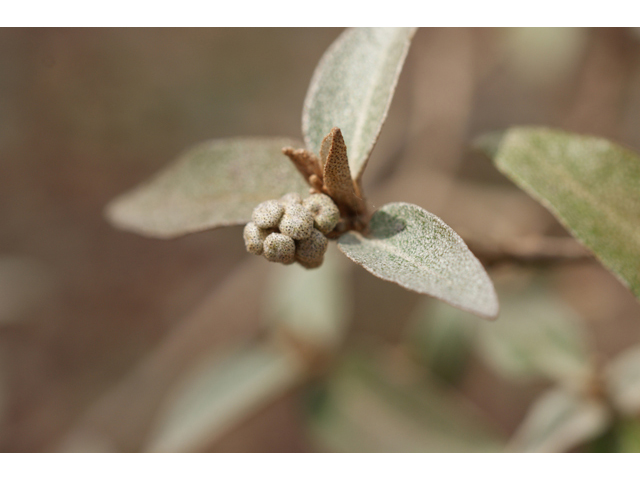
(292, 230)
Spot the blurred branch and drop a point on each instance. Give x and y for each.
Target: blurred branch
(532, 250)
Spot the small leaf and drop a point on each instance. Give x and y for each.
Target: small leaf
(337, 177)
(537, 335)
(214, 184)
(313, 304)
(623, 381)
(220, 392)
(590, 184)
(560, 421)
(365, 409)
(352, 88)
(415, 249)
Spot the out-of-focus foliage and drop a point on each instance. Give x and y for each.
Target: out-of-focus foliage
(219, 392)
(589, 183)
(312, 305)
(623, 381)
(365, 409)
(537, 336)
(560, 420)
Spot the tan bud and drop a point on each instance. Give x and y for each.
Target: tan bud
(310, 252)
(279, 248)
(254, 237)
(296, 222)
(324, 211)
(267, 214)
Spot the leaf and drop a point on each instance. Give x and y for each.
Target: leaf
(337, 177)
(415, 249)
(215, 184)
(623, 381)
(365, 410)
(352, 88)
(220, 392)
(560, 421)
(314, 305)
(590, 184)
(536, 335)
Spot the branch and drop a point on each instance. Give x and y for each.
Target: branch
(532, 250)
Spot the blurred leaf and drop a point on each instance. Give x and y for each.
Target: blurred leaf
(589, 183)
(352, 89)
(536, 335)
(623, 381)
(214, 184)
(629, 436)
(560, 421)
(415, 249)
(313, 304)
(220, 392)
(367, 411)
(443, 337)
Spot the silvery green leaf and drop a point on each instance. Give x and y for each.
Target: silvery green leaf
(560, 421)
(314, 305)
(352, 89)
(415, 249)
(623, 381)
(364, 409)
(590, 184)
(214, 184)
(219, 392)
(536, 335)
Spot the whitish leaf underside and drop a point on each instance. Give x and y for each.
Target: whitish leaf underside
(214, 184)
(352, 89)
(415, 249)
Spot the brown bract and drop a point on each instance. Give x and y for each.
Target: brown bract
(330, 174)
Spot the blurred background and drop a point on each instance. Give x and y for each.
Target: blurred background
(114, 342)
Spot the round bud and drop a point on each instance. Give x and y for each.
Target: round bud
(310, 252)
(291, 198)
(279, 248)
(311, 264)
(267, 214)
(296, 222)
(254, 237)
(325, 212)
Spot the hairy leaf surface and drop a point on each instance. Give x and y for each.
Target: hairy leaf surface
(214, 184)
(415, 249)
(352, 89)
(590, 184)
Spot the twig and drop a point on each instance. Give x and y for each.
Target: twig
(533, 250)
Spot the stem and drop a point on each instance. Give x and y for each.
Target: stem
(534, 250)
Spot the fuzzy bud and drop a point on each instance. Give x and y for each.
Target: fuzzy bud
(279, 248)
(254, 237)
(325, 212)
(296, 222)
(267, 214)
(291, 198)
(310, 251)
